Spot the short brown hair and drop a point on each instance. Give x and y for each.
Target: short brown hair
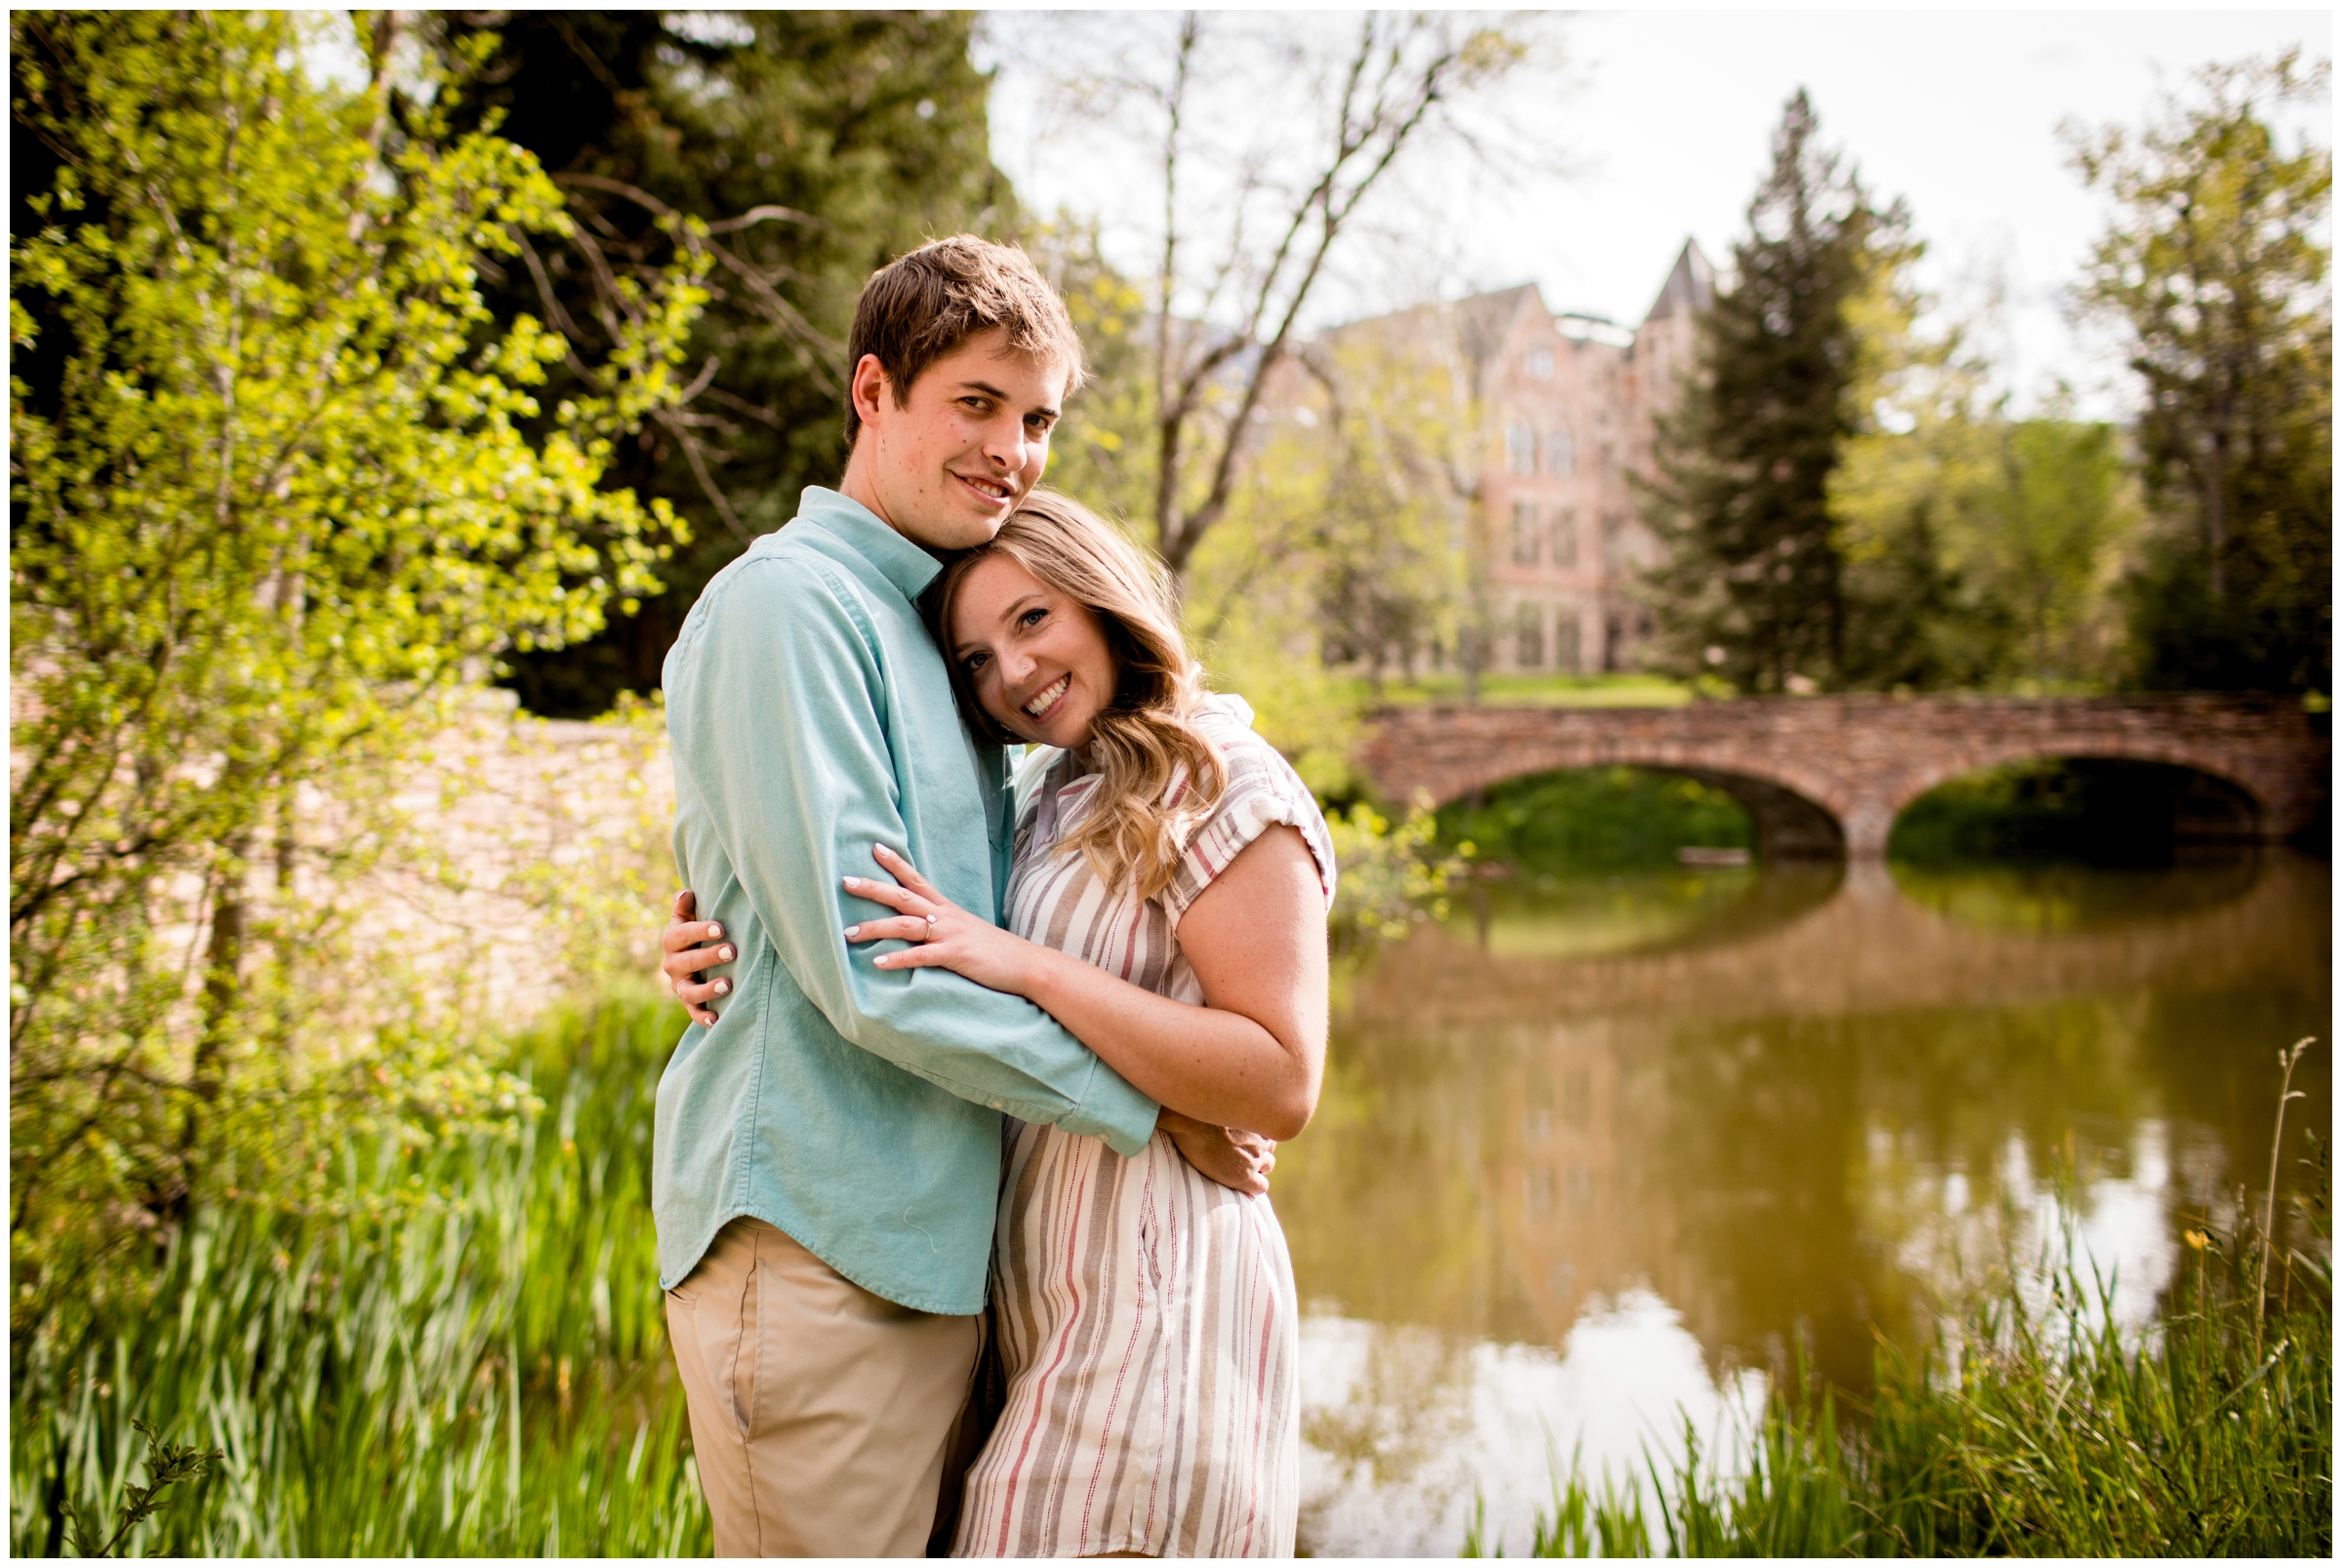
(921, 306)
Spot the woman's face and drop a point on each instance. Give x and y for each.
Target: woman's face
(1039, 661)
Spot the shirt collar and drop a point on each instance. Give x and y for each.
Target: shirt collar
(855, 526)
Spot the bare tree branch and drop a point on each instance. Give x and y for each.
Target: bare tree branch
(1388, 93)
(700, 383)
(707, 487)
(767, 214)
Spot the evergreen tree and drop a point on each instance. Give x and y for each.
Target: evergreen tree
(814, 148)
(1752, 583)
(2218, 268)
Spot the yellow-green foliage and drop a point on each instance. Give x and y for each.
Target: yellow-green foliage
(1981, 550)
(1104, 453)
(1392, 874)
(2216, 266)
(1345, 541)
(281, 491)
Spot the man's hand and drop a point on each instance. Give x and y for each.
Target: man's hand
(1237, 1160)
(691, 946)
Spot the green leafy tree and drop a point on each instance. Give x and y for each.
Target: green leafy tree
(2074, 518)
(2217, 268)
(813, 146)
(1752, 583)
(1101, 451)
(1344, 545)
(280, 489)
(1392, 580)
(1913, 495)
(1980, 551)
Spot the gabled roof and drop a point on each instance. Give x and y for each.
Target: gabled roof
(1483, 319)
(1689, 288)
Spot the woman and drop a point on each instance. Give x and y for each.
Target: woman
(1167, 905)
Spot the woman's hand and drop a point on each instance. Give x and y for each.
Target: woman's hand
(686, 958)
(1231, 1156)
(948, 937)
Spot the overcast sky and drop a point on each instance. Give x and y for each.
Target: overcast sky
(1669, 116)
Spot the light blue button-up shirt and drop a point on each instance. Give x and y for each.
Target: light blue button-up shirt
(855, 1108)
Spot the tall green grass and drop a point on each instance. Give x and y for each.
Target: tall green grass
(2034, 1426)
(467, 1358)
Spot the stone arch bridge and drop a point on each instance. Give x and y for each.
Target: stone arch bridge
(1826, 776)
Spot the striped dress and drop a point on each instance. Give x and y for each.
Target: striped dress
(1145, 1314)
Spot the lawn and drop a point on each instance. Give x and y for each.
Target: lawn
(1626, 689)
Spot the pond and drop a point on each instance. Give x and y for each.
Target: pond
(1600, 1158)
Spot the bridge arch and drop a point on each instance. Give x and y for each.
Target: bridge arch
(1789, 821)
(1795, 811)
(2228, 807)
(1829, 776)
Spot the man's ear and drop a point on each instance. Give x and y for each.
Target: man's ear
(869, 388)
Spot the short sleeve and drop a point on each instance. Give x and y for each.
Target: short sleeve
(1263, 791)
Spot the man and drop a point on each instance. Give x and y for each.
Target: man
(826, 1154)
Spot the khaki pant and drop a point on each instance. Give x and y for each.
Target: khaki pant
(820, 1414)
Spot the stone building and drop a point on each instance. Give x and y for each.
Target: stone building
(1567, 407)
(1564, 407)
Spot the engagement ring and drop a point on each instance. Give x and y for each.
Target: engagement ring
(931, 928)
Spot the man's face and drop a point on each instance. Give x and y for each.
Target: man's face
(946, 467)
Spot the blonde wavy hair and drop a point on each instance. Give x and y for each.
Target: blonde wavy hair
(1134, 827)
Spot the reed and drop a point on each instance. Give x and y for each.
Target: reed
(2036, 1426)
(466, 1357)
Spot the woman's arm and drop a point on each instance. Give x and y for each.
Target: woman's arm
(1252, 1057)
(1229, 1155)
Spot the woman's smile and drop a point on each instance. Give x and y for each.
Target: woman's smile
(1051, 694)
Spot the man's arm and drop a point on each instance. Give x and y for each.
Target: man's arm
(781, 737)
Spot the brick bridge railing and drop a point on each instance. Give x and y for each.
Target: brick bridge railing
(1827, 776)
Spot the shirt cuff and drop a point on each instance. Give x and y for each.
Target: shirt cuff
(1112, 1109)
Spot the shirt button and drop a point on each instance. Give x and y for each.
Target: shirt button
(996, 1106)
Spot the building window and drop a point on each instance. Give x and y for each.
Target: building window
(1561, 454)
(1521, 449)
(1541, 364)
(1565, 538)
(1524, 533)
(1565, 641)
(1528, 630)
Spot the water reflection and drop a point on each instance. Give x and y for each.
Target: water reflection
(1552, 918)
(1590, 1154)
